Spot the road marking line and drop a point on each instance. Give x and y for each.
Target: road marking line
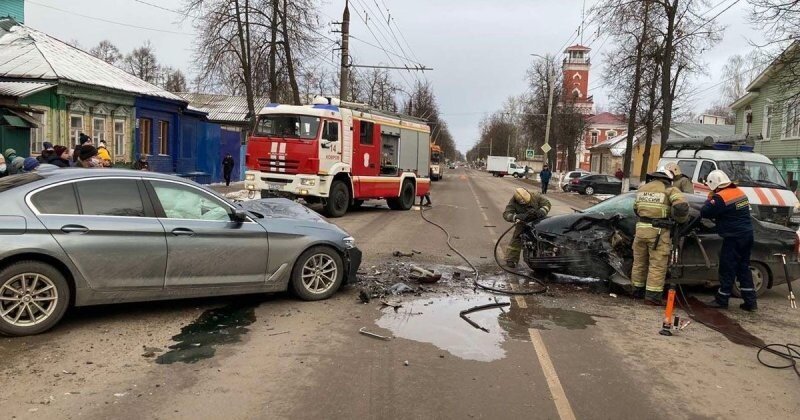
(559, 396)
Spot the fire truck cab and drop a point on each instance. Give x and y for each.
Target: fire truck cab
(339, 154)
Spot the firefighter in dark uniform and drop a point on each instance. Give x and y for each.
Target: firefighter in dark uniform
(524, 207)
(729, 207)
(657, 204)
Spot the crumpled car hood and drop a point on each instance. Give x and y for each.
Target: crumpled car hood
(282, 208)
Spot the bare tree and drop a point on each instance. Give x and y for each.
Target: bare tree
(107, 52)
(172, 80)
(142, 63)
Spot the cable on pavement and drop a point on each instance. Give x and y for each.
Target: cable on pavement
(476, 281)
(791, 354)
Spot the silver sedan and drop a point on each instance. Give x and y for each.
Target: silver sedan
(78, 237)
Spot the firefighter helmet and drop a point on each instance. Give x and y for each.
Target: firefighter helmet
(522, 196)
(662, 174)
(717, 179)
(674, 168)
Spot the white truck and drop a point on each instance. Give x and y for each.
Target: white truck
(504, 165)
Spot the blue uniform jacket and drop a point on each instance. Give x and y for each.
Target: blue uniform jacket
(545, 175)
(730, 210)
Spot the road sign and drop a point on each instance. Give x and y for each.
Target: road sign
(546, 147)
(529, 154)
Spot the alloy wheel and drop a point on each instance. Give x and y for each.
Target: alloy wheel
(27, 299)
(319, 273)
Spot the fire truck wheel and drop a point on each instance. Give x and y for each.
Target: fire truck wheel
(406, 199)
(336, 205)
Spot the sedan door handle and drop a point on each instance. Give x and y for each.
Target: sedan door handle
(74, 229)
(182, 232)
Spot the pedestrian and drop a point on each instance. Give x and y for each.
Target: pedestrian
(61, 157)
(729, 208)
(13, 161)
(3, 166)
(681, 181)
(87, 156)
(30, 164)
(524, 207)
(141, 164)
(527, 171)
(103, 155)
(426, 197)
(82, 139)
(544, 177)
(657, 203)
(619, 174)
(227, 168)
(47, 152)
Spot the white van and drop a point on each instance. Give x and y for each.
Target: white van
(770, 198)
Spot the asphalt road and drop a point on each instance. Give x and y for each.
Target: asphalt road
(572, 353)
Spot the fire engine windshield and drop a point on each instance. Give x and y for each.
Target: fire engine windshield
(435, 157)
(752, 174)
(296, 126)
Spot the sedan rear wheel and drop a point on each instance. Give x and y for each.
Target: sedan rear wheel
(760, 280)
(589, 190)
(565, 188)
(318, 273)
(33, 298)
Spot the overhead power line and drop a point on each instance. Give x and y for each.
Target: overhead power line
(108, 20)
(162, 8)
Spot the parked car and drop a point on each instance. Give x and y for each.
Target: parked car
(597, 242)
(596, 184)
(569, 176)
(86, 237)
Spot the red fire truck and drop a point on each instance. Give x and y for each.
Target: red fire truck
(339, 154)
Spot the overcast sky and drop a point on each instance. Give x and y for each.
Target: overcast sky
(479, 49)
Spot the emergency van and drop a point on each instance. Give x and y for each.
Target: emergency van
(771, 199)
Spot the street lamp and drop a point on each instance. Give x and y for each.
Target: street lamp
(549, 106)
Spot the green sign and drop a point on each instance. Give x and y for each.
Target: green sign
(529, 154)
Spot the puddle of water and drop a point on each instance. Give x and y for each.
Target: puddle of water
(717, 320)
(437, 321)
(212, 328)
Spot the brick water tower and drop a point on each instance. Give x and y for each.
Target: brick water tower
(576, 79)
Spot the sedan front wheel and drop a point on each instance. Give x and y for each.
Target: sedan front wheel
(318, 273)
(760, 280)
(33, 298)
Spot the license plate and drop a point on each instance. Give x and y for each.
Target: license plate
(271, 186)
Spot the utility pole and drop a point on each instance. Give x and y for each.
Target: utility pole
(344, 78)
(549, 111)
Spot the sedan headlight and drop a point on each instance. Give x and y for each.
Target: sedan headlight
(349, 242)
(249, 177)
(308, 182)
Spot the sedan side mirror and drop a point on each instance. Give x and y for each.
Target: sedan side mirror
(239, 216)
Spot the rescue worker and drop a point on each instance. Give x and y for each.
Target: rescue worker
(729, 207)
(544, 177)
(657, 202)
(524, 207)
(680, 181)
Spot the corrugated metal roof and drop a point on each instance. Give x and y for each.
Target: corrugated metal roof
(26, 53)
(684, 130)
(22, 89)
(223, 108)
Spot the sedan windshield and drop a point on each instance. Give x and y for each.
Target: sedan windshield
(621, 204)
(752, 174)
(296, 126)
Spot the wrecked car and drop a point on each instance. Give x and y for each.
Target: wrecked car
(596, 242)
(79, 237)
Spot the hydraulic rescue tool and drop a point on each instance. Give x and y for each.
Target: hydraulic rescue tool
(671, 321)
(792, 301)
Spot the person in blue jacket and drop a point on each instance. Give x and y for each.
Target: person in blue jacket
(544, 177)
(729, 208)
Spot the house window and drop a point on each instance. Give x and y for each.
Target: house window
(766, 131)
(792, 122)
(99, 130)
(75, 127)
(576, 76)
(145, 132)
(594, 137)
(748, 120)
(163, 137)
(611, 134)
(38, 134)
(120, 151)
